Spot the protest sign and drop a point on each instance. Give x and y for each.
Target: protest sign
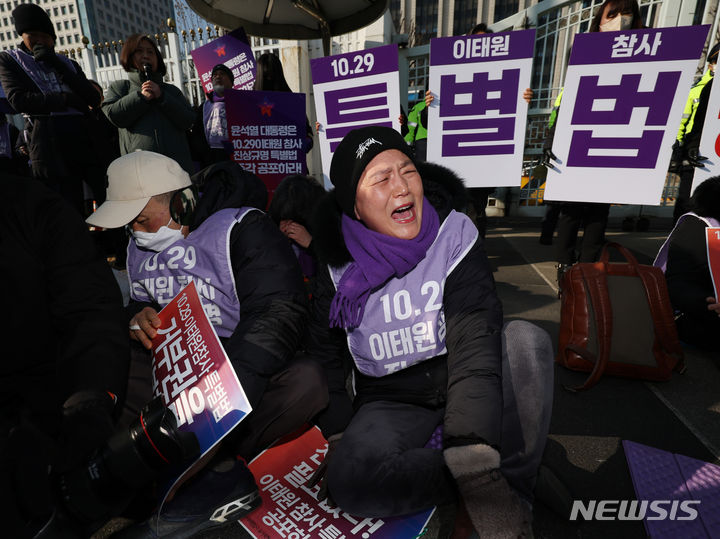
(354, 90)
(710, 140)
(713, 252)
(266, 132)
(290, 508)
(192, 373)
(234, 51)
(621, 107)
(476, 123)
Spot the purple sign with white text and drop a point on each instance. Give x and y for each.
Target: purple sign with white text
(354, 90)
(232, 50)
(266, 132)
(621, 105)
(477, 118)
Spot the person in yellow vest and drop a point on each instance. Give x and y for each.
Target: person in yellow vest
(686, 154)
(417, 130)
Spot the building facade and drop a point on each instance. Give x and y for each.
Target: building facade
(99, 21)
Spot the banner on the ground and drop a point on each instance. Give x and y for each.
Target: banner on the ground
(476, 122)
(710, 140)
(352, 90)
(266, 131)
(192, 373)
(713, 252)
(290, 507)
(622, 103)
(232, 50)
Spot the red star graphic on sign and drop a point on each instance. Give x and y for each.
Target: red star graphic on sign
(220, 51)
(266, 108)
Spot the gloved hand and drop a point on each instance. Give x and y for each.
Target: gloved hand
(547, 158)
(676, 157)
(320, 474)
(74, 101)
(86, 425)
(47, 55)
(694, 158)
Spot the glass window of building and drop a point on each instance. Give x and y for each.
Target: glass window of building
(426, 16)
(465, 16)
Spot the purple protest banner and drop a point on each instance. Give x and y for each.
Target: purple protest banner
(621, 106)
(354, 90)
(266, 132)
(477, 120)
(234, 51)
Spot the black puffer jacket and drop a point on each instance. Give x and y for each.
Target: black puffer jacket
(273, 302)
(466, 380)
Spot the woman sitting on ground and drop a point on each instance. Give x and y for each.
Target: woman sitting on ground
(408, 304)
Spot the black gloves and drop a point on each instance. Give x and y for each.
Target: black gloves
(320, 474)
(86, 425)
(547, 158)
(47, 55)
(694, 158)
(72, 100)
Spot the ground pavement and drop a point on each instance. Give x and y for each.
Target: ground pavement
(584, 447)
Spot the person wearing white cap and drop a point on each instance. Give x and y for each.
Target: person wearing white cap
(252, 290)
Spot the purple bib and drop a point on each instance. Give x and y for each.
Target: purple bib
(203, 257)
(662, 256)
(44, 77)
(5, 146)
(404, 321)
(215, 122)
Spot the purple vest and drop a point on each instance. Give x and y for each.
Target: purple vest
(5, 143)
(44, 77)
(404, 321)
(215, 121)
(662, 256)
(203, 257)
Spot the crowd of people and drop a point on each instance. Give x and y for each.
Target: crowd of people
(369, 310)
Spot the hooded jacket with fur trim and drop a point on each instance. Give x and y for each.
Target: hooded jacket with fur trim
(466, 381)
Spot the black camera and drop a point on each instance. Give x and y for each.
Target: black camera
(129, 460)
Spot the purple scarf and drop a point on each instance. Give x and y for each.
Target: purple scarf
(376, 258)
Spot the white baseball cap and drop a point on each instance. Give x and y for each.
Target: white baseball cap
(132, 180)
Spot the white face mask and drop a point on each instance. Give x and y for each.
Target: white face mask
(219, 89)
(619, 22)
(157, 241)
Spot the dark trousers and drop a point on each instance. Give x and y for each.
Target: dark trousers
(593, 218)
(381, 468)
(479, 199)
(687, 174)
(292, 397)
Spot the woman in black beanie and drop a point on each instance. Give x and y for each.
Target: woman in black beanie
(407, 304)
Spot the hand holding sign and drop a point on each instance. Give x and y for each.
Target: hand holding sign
(712, 236)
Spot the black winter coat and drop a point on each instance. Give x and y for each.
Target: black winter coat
(49, 133)
(270, 289)
(64, 328)
(467, 380)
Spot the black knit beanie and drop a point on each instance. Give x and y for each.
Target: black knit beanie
(225, 69)
(31, 17)
(353, 154)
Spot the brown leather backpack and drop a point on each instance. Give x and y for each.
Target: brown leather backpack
(616, 319)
